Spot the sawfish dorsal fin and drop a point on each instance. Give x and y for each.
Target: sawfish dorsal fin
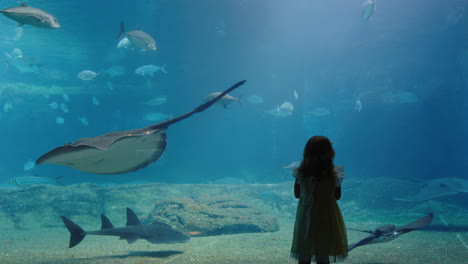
(130, 240)
(105, 222)
(132, 218)
(23, 4)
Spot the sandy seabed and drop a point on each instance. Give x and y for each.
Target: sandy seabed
(51, 246)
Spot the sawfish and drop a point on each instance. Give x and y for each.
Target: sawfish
(121, 151)
(390, 232)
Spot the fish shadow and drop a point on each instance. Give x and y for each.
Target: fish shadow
(151, 254)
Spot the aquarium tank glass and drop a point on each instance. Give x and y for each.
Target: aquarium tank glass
(116, 120)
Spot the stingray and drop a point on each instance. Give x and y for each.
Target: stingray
(390, 232)
(121, 151)
(437, 188)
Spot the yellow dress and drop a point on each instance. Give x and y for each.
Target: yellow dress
(319, 230)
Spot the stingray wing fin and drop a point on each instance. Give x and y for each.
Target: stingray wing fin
(362, 242)
(418, 224)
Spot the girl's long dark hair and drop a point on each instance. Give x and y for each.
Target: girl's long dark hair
(317, 159)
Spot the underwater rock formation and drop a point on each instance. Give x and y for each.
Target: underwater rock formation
(40, 206)
(212, 215)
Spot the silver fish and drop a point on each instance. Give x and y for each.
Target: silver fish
(138, 38)
(284, 110)
(156, 101)
(368, 9)
(87, 75)
(25, 14)
(150, 70)
(32, 180)
(152, 116)
(224, 101)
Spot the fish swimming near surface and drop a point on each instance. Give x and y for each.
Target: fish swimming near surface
(138, 38)
(390, 232)
(25, 14)
(224, 101)
(33, 180)
(368, 9)
(150, 70)
(120, 151)
(156, 233)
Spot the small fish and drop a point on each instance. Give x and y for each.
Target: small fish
(320, 111)
(29, 165)
(284, 110)
(255, 99)
(150, 70)
(292, 165)
(32, 180)
(124, 43)
(84, 121)
(109, 85)
(66, 97)
(7, 107)
(95, 100)
(87, 75)
(16, 53)
(368, 9)
(156, 116)
(287, 106)
(54, 105)
(296, 95)
(138, 38)
(156, 101)
(59, 120)
(358, 105)
(22, 63)
(25, 14)
(224, 101)
(64, 108)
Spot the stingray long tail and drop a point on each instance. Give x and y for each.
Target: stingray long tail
(199, 109)
(76, 232)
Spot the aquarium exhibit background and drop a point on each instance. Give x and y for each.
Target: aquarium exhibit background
(407, 66)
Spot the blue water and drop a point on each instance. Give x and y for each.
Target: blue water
(407, 65)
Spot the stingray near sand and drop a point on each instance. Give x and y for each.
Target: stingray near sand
(390, 232)
(437, 188)
(121, 151)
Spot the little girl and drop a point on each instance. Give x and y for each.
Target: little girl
(319, 230)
